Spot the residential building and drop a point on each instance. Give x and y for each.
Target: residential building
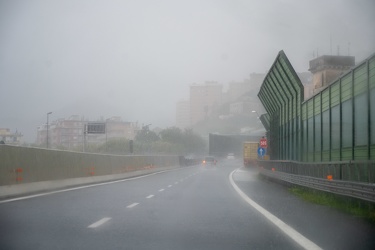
(246, 87)
(203, 100)
(183, 114)
(66, 133)
(70, 133)
(116, 128)
(8, 137)
(244, 107)
(327, 68)
(236, 90)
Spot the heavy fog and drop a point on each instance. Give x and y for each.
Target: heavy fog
(136, 59)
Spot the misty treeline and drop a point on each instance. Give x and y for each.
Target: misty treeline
(169, 141)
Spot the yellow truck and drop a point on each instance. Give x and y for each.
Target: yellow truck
(250, 153)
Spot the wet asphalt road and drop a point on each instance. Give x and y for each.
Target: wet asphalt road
(189, 208)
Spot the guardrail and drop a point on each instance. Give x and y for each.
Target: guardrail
(358, 190)
(354, 171)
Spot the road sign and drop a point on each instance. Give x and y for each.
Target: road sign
(95, 128)
(261, 152)
(263, 143)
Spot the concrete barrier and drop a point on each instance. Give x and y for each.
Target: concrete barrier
(28, 170)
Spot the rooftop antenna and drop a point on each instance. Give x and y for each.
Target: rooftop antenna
(330, 42)
(348, 48)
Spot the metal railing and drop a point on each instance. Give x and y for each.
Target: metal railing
(354, 171)
(364, 191)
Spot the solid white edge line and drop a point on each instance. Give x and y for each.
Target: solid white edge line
(288, 230)
(150, 196)
(132, 205)
(82, 187)
(99, 222)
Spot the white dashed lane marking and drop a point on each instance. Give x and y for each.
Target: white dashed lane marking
(133, 205)
(106, 219)
(99, 222)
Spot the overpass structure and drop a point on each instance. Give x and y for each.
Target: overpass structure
(220, 145)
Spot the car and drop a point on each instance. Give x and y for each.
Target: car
(209, 160)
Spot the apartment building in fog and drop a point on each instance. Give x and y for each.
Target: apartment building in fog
(204, 98)
(69, 133)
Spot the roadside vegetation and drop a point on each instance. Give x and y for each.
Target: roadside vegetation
(170, 141)
(349, 205)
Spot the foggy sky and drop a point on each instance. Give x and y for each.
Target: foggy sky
(136, 59)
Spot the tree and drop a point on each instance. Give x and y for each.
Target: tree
(185, 143)
(194, 143)
(146, 136)
(172, 135)
(115, 146)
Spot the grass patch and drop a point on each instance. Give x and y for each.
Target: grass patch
(348, 205)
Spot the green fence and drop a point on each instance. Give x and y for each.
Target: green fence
(336, 124)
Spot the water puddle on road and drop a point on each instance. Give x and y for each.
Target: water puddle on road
(245, 175)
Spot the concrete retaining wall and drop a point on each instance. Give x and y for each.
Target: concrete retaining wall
(52, 169)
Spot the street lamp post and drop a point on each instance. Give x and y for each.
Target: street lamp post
(48, 125)
(146, 130)
(258, 116)
(146, 127)
(254, 111)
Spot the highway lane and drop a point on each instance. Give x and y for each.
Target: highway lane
(190, 208)
(325, 226)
